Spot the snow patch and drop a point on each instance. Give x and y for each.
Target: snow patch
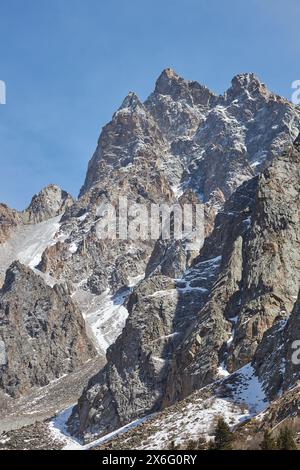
(163, 293)
(73, 247)
(105, 315)
(106, 318)
(115, 433)
(192, 421)
(133, 281)
(177, 190)
(28, 243)
(58, 430)
(248, 390)
(222, 371)
(82, 217)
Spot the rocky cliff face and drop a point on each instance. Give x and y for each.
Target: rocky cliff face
(271, 273)
(206, 142)
(47, 204)
(126, 163)
(9, 219)
(258, 281)
(277, 357)
(167, 355)
(42, 335)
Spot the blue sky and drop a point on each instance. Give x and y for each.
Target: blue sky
(68, 64)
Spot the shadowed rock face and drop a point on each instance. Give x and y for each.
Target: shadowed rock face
(258, 280)
(271, 273)
(277, 357)
(42, 334)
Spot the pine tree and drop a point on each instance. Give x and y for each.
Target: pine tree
(285, 440)
(223, 436)
(190, 445)
(172, 446)
(201, 444)
(211, 445)
(268, 442)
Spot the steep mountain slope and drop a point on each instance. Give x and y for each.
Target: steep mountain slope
(172, 320)
(172, 345)
(259, 276)
(27, 244)
(42, 332)
(25, 235)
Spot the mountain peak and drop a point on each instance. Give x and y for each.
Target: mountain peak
(131, 101)
(168, 82)
(170, 73)
(246, 78)
(49, 202)
(245, 81)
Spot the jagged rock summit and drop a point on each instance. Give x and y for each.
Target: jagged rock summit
(203, 136)
(49, 202)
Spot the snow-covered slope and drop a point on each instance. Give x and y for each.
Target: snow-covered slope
(27, 244)
(105, 315)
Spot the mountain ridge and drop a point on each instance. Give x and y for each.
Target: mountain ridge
(170, 321)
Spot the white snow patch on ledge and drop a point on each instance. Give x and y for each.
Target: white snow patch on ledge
(248, 390)
(222, 371)
(73, 247)
(105, 315)
(28, 243)
(133, 281)
(163, 293)
(195, 419)
(58, 430)
(118, 432)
